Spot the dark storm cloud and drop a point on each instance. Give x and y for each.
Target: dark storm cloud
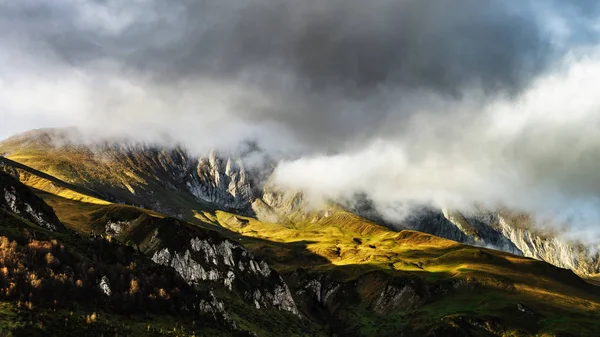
(332, 71)
(348, 45)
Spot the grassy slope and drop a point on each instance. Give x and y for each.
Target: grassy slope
(351, 246)
(345, 239)
(110, 174)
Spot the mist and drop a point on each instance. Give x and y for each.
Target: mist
(441, 103)
(536, 153)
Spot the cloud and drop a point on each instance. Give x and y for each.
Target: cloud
(322, 73)
(432, 101)
(538, 152)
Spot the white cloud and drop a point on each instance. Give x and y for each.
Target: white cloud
(538, 152)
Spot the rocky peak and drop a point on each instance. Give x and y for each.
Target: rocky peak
(223, 182)
(582, 260)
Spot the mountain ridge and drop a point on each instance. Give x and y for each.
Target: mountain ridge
(320, 271)
(137, 171)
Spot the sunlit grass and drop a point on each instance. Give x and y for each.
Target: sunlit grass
(48, 186)
(343, 240)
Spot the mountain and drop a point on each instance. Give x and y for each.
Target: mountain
(238, 254)
(163, 180)
(174, 182)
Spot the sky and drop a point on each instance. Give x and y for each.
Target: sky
(441, 102)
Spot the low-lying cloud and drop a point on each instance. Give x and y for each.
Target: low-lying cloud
(538, 152)
(433, 102)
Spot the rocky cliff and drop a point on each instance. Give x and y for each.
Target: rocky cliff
(205, 259)
(223, 182)
(504, 231)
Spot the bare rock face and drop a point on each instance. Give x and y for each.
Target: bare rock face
(326, 295)
(582, 260)
(223, 182)
(232, 266)
(393, 296)
(19, 199)
(10, 170)
(216, 308)
(278, 204)
(104, 285)
(498, 230)
(205, 258)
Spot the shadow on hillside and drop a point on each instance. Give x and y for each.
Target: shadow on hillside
(291, 256)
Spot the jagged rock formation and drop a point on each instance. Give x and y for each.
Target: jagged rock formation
(499, 230)
(279, 205)
(551, 249)
(221, 182)
(272, 291)
(203, 258)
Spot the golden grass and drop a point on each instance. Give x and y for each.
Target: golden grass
(48, 186)
(342, 239)
(72, 164)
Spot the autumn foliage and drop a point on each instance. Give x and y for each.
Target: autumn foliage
(46, 273)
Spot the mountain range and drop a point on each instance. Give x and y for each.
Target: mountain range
(124, 238)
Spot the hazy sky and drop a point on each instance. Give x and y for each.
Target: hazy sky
(448, 102)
